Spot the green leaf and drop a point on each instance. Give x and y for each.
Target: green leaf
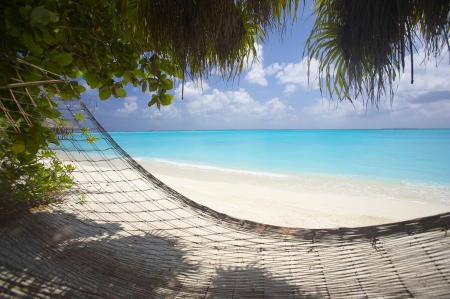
(138, 73)
(25, 12)
(152, 102)
(79, 117)
(16, 31)
(104, 94)
(38, 36)
(121, 92)
(31, 75)
(63, 59)
(11, 17)
(60, 36)
(18, 145)
(167, 84)
(91, 139)
(53, 67)
(48, 38)
(144, 86)
(50, 112)
(33, 60)
(126, 78)
(80, 65)
(166, 99)
(74, 75)
(33, 147)
(79, 89)
(119, 73)
(53, 17)
(66, 95)
(30, 43)
(40, 15)
(92, 80)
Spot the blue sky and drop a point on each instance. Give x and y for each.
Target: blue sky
(274, 93)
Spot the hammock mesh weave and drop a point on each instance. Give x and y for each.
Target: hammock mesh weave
(121, 233)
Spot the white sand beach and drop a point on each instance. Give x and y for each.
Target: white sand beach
(265, 199)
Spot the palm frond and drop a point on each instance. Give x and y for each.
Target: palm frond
(205, 35)
(368, 41)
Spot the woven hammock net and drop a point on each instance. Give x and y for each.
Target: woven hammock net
(119, 232)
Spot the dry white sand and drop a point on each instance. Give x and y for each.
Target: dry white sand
(267, 200)
(303, 202)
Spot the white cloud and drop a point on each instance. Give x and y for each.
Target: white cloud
(424, 104)
(166, 112)
(231, 108)
(297, 75)
(273, 68)
(428, 99)
(129, 106)
(294, 75)
(274, 109)
(427, 76)
(191, 89)
(256, 74)
(290, 88)
(343, 109)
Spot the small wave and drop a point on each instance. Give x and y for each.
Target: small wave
(418, 201)
(221, 169)
(425, 184)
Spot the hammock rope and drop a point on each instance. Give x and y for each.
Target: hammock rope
(122, 233)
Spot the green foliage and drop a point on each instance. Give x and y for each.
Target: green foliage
(29, 181)
(75, 40)
(78, 117)
(91, 139)
(82, 199)
(31, 175)
(109, 45)
(66, 40)
(361, 46)
(205, 36)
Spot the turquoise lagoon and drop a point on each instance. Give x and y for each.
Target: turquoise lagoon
(411, 165)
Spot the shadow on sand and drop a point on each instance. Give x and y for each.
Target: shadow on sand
(57, 254)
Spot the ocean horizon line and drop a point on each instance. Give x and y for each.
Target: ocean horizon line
(218, 130)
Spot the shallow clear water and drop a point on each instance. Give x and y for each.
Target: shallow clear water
(413, 156)
(411, 165)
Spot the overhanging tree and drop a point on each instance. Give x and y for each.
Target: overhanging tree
(47, 46)
(362, 46)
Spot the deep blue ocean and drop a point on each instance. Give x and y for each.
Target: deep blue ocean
(419, 157)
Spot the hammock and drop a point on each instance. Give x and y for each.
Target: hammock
(121, 233)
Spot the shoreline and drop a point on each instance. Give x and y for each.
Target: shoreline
(272, 200)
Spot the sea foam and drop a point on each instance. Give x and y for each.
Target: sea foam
(220, 169)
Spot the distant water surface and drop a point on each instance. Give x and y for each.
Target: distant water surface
(417, 160)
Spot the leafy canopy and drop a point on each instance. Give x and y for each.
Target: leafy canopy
(49, 46)
(361, 46)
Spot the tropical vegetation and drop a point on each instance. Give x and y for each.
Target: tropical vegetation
(50, 47)
(362, 46)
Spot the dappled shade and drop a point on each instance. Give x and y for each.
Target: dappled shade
(120, 233)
